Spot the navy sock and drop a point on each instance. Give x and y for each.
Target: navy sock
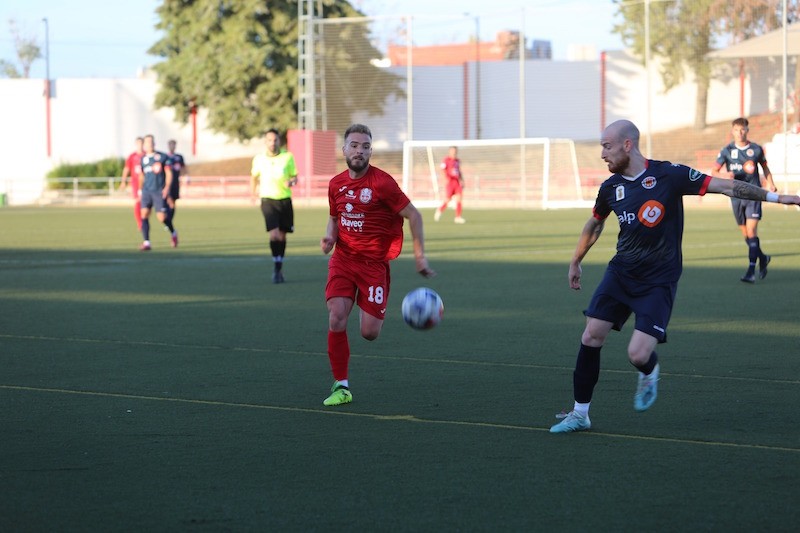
(761, 254)
(587, 373)
(168, 224)
(648, 367)
(170, 216)
(752, 250)
(146, 228)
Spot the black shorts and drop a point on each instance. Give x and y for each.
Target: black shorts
(616, 298)
(278, 214)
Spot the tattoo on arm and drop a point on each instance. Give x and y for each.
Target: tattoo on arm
(747, 191)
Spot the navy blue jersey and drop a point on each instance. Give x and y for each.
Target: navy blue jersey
(650, 213)
(743, 162)
(176, 164)
(153, 169)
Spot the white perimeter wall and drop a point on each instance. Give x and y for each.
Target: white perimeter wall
(93, 119)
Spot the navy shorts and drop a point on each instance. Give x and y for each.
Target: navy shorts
(155, 200)
(744, 209)
(278, 214)
(616, 298)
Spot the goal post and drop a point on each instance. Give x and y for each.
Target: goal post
(533, 172)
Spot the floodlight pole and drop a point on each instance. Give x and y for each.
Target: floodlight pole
(477, 76)
(47, 83)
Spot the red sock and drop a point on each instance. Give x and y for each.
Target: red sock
(458, 209)
(338, 354)
(444, 206)
(137, 213)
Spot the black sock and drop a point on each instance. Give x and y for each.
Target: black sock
(168, 224)
(146, 228)
(278, 248)
(586, 374)
(648, 367)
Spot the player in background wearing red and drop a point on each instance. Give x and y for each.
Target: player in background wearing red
(451, 167)
(741, 159)
(365, 232)
(133, 169)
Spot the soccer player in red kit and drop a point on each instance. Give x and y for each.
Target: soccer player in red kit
(133, 168)
(451, 166)
(365, 227)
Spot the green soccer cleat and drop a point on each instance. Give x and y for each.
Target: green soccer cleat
(572, 422)
(339, 395)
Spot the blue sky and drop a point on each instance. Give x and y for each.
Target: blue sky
(109, 39)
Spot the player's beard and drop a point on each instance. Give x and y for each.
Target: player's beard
(619, 165)
(357, 166)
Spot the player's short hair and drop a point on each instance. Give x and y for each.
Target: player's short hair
(741, 121)
(273, 130)
(139, 138)
(357, 128)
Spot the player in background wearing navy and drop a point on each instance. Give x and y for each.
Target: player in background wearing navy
(133, 169)
(451, 168)
(272, 176)
(365, 226)
(741, 159)
(642, 278)
(178, 166)
(155, 189)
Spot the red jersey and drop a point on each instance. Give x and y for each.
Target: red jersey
(452, 168)
(367, 208)
(134, 166)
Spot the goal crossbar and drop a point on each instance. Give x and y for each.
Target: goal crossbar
(530, 172)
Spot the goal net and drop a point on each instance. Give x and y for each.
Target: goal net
(536, 172)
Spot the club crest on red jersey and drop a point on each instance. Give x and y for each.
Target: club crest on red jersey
(365, 195)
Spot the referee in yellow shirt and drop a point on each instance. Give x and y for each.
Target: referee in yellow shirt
(271, 177)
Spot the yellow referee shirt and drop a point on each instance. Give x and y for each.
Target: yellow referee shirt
(274, 174)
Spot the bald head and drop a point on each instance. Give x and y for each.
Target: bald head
(621, 131)
(620, 142)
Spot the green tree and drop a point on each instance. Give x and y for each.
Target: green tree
(682, 32)
(238, 60)
(27, 50)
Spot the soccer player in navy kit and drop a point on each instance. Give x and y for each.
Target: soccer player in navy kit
(642, 278)
(741, 159)
(155, 184)
(178, 166)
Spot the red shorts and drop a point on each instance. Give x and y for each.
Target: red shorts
(453, 188)
(365, 282)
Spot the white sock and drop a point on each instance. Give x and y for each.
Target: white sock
(344, 383)
(582, 409)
